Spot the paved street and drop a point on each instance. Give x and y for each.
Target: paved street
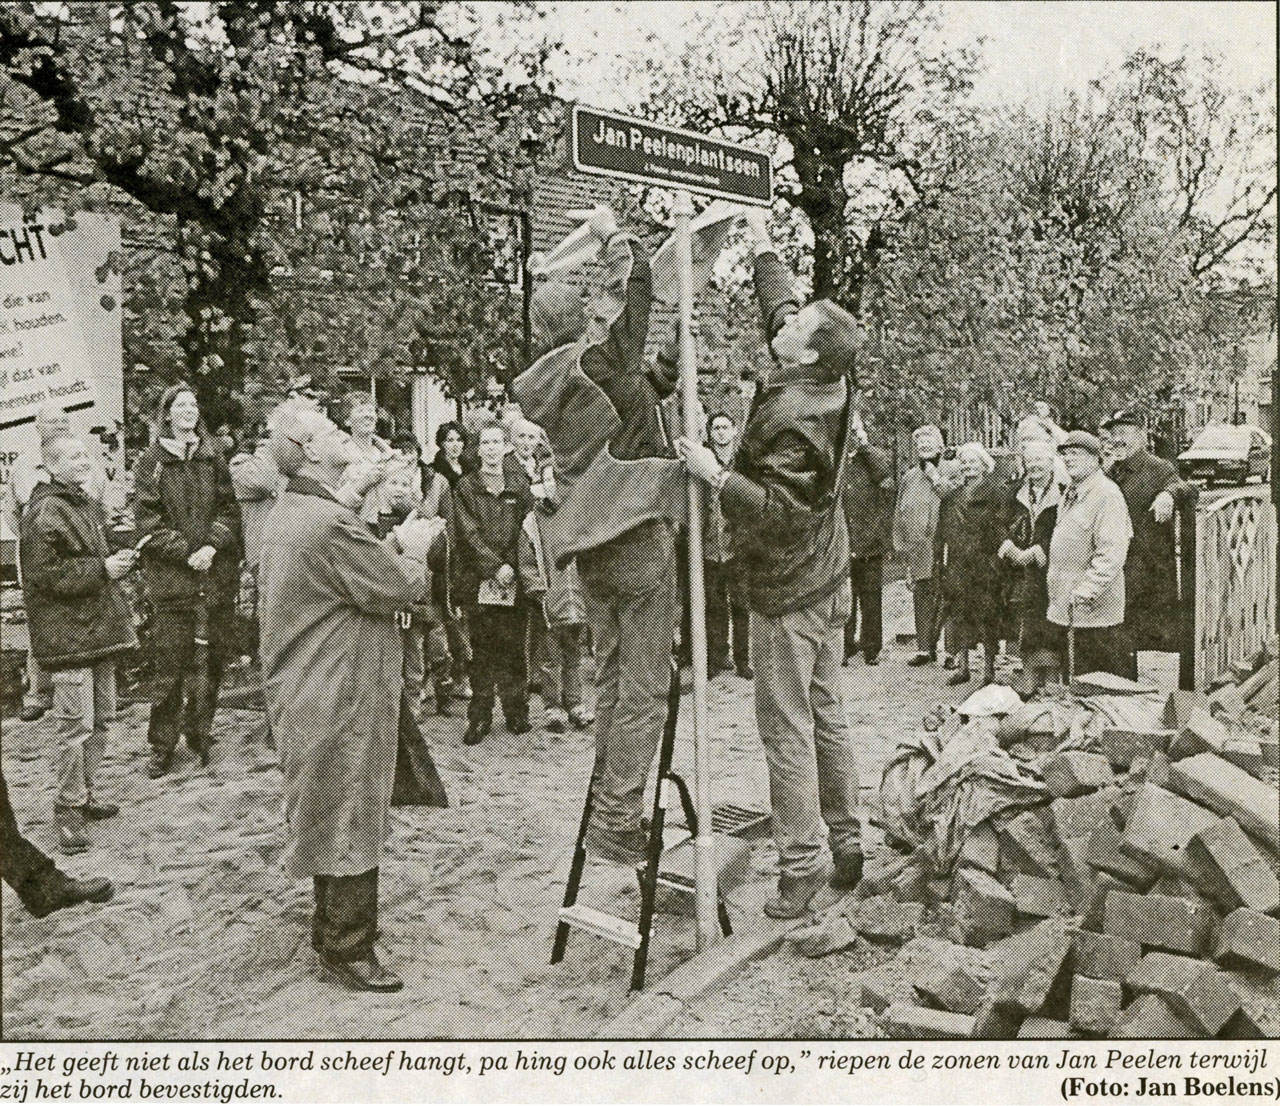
(207, 936)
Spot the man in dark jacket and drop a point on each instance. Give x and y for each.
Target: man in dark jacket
(1152, 491)
(868, 499)
(79, 621)
(782, 499)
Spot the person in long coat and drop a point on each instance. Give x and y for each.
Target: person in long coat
(1026, 550)
(1152, 490)
(915, 528)
(331, 660)
(975, 521)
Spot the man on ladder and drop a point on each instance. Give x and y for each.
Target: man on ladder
(782, 497)
(593, 392)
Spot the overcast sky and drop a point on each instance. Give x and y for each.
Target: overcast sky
(1034, 47)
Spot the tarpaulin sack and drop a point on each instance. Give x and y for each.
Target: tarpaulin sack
(900, 809)
(417, 782)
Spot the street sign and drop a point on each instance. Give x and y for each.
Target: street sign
(612, 145)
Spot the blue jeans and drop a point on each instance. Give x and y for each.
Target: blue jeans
(630, 591)
(813, 772)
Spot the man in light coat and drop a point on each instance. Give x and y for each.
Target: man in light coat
(1086, 560)
(915, 526)
(332, 662)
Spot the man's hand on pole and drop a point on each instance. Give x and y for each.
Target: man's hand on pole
(699, 459)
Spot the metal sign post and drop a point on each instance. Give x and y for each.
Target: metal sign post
(705, 875)
(653, 153)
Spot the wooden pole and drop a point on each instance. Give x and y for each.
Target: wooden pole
(705, 877)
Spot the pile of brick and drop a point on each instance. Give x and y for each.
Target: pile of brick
(1136, 903)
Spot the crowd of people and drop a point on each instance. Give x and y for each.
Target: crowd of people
(530, 547)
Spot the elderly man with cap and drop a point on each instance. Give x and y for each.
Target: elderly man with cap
(915, 527)
(1087, 557)
(1152, 491)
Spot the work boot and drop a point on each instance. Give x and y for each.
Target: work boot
(846, 873)
(557, 720)
(517, 718)
(60, 890)
(72, 838)
(922, 659)
(365, 974)
(443, 697)
(160, 762)
(97, 812)
(32, 712)
(795, 893)
(628, 848)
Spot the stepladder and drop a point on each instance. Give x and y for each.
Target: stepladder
(636, 935)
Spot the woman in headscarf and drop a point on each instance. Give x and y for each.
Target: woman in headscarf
(975, 520)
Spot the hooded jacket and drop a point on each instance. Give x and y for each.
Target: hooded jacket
(76, 614)
(185, 501)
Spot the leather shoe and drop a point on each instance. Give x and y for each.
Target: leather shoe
(96, 812)
(72, 838)
(957, 678)
(846, 873)
(159, 764)
(744, 670)
(922, 659)
(477, 730)
(874, 658)
(365, 974)
(32, 713)
(63, 891)
(795, 894)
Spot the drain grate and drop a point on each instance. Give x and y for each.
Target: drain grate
(738, 821)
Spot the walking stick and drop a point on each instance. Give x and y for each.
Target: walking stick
(198, 691)
(1071, 643)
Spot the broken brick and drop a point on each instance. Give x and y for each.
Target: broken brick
(830, 935)
(994, 1021)
(1095, 1004)
(1036, 897)
(920, 1023)
(1151, 1017)
(1180, 705)
(1025, 847)
(1071, 773)
(1227, 702)
(1077, 874)
(1202, 733)
(1229, 790)
(1196, 990)
(1091, 913)
(1241, 1027)
(983, 908)
(880, 991)
(958, 986)
(1160, 825)
(881, 918)
(1227, 867)
(1105, 955)
(1076, 817)
(1025, 967)
(1123, 748)
(1159, 921)
(1106, 855)
(981, 849)
(1250, 939)
(1046, 1029)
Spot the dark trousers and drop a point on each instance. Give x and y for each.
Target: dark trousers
(924, 598)
(22, 866)
(459, 646)
(1101, 649)
(497, 660)
(726, 603)
(865, 574)
(535, 639)
(345, 924)
(173, 647)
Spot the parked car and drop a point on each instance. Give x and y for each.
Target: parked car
(1228, 454)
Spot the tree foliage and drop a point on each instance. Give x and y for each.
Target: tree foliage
(304, 177)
